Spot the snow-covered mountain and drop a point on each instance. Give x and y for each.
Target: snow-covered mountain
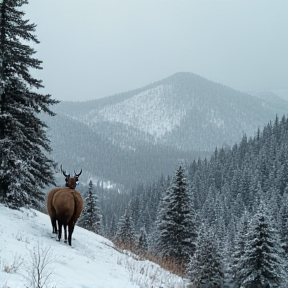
(183, 116)
(179, 109)
(27, 246)
(148, 111)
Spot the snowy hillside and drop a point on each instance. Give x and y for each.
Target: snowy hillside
(91, 262)
(184, 111)
(147, 111)
(138, 135)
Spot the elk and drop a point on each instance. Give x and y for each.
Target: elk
(68, 205)
(54, 210)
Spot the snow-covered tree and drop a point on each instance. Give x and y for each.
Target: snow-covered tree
(176, 221)
(113, 227)
(25, 168)
(239, 246)
(205, 268)
(283, 224)
(262, 263)
(125, 235)
(143, 241)
(91, 217)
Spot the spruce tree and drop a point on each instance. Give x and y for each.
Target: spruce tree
(143, 241)
(239, 247)
(25, 168)
(283, 224)
(176, 221)
(113, 227)
(262, 264)
(91, 217)
(205, 268)
(125, 235)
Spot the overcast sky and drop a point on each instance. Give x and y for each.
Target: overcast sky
(96, 48)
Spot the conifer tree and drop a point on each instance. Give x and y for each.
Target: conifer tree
(239, 247)
(91, 217)
(205, 268)
(25, 168)
(143, 241)
(283, 224)
(113, 227)
(125, 235)
(262, 264)
(176, 221)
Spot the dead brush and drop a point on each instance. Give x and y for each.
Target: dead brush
(170, 264)
(15, 265)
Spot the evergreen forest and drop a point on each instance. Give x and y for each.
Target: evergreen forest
(229, 212)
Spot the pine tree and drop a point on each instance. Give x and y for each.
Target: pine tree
(113, 227)
(205, 268)
(261, 265)
(143, 241)
(91, 217)
(239, 247)
(283, 223)
(125, 235)
(176, 221)
(25, 168)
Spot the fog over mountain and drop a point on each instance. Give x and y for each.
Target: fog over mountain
(104, 47)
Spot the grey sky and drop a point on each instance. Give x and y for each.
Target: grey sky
(95, 48)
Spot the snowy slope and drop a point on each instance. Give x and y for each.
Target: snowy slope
(91, 262)
(184, 111)
(147, 111)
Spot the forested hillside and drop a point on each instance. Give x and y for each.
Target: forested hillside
(138, 135)
(237, 189)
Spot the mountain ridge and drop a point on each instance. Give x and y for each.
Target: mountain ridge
(180, 117)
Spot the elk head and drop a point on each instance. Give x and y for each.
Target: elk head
(71, 182)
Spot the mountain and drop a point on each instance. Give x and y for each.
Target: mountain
(142, 133)
(27, 246)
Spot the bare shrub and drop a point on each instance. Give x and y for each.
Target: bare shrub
(39, 270)
(20, 237)
(15, 265)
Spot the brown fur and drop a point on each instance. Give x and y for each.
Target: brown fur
(50, 208)
(67, 204)
(78, 206)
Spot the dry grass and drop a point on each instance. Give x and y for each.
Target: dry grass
(148, 274)
(169, 264)
(15, 265)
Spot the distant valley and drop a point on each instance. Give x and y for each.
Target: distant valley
(141, 134)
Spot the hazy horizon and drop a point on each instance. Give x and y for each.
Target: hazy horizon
(93, 49)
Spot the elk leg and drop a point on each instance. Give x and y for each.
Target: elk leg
(53, 221)
(70, 231)
(59, 230)
(65, 232)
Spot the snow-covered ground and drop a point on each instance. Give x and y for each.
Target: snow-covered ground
(91, 262)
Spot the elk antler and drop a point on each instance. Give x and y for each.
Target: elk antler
(77, 175)
(66, 175)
